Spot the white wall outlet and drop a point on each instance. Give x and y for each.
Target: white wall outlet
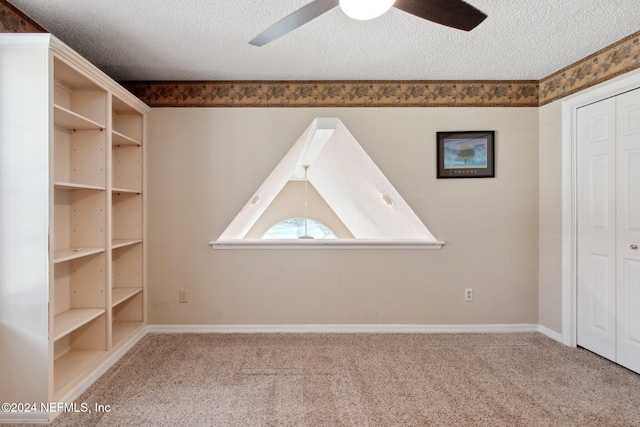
(468, 294)
(183, 296)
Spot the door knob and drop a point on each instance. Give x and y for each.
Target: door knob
(634, 246)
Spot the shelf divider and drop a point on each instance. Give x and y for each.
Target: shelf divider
(125, 190)
(73, 121)
(68, 321)
(69, 186)
(121, 243)
(119, 295)
(73, 253)
(119, 138)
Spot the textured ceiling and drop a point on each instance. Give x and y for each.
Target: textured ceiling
(208, 39)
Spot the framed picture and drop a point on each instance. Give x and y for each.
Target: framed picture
(466, 154)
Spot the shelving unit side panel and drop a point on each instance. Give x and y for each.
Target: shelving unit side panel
(24, 203)
(127, 216)
(127, 267)
(127, 167)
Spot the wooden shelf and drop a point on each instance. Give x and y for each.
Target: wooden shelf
(121, 243)
(71, 365)
(125, 190)
(73, 253)
(68, 186)
(120, 295)
(68, 321)
(122, 139)
(121, 329)
(73, 121)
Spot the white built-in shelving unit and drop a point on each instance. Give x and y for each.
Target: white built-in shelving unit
(93, 134)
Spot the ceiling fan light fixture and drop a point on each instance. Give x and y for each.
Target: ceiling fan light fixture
(365, 9)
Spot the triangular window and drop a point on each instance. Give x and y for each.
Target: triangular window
(328, 178)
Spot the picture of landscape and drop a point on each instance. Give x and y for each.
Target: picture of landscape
(465, 153)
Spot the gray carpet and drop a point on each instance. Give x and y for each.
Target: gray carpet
(360, 380)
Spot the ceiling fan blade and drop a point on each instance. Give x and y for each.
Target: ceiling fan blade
(452, 13)
(293, 21)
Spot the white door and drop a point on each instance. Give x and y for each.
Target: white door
(596, 228)
(628, 229)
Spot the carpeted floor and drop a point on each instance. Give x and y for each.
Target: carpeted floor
(360, 380)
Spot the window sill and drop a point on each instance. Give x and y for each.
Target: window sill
(326, 244)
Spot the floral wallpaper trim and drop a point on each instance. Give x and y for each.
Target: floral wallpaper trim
(612, 61)
(522, 93)
(13, 20)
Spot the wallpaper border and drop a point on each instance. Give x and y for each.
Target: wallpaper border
(12, 20)
(612, 61)
(350, 93)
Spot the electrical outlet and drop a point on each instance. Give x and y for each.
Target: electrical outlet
(468, 294)
(183, 296)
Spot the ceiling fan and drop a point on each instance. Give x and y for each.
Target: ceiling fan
(452, 13)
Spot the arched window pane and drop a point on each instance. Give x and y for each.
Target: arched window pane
(293, 228)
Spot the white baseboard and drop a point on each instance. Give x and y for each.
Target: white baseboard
(348, 329)
(24, 418)
(551, 334)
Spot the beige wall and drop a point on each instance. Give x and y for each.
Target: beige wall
(204, 164)
(550, 228)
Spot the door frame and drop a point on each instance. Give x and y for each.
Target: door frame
(617, 86)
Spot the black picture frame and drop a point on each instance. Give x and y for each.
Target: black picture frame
(466, 154)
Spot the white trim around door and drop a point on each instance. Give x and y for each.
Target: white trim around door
(629, 81)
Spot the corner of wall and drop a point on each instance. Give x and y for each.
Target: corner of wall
(550, 216)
